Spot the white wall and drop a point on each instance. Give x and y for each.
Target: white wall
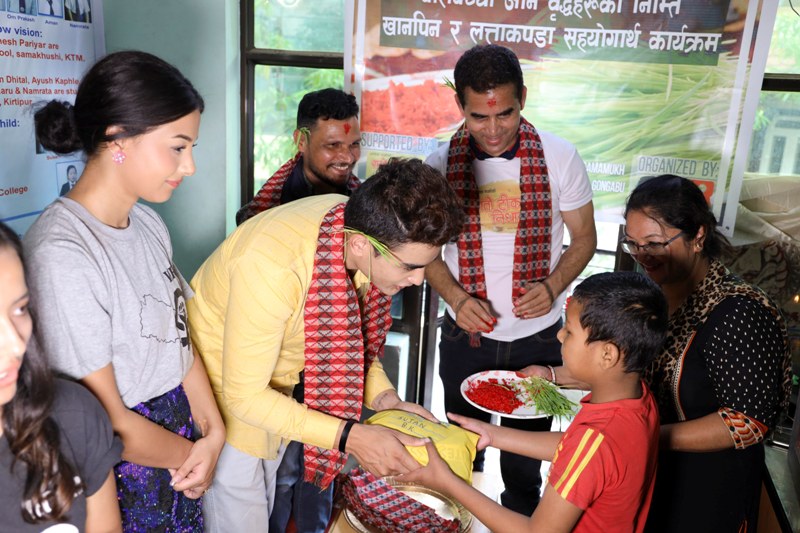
(201, 38)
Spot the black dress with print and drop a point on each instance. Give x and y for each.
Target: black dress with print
(734, 361)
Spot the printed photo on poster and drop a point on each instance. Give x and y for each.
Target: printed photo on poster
(49, 45)
(78, 10)
(27, 7)
(67, 175)
(51, 8)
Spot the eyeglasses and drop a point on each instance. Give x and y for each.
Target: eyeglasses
(651, 248)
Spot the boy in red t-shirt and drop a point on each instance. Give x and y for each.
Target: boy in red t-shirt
(604, 465)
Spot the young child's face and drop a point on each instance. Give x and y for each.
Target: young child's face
(575, 351)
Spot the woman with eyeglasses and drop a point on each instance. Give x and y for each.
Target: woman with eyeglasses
(722, 377)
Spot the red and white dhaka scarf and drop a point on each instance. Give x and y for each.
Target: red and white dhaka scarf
(378, 504)
(341, 341)
(270, 193)
(533, 242)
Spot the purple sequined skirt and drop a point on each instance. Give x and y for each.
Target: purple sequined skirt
(146, 499)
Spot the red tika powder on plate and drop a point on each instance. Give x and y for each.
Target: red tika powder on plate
(493, 395)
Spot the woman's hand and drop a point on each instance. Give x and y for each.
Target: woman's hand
(195, 475)
(145, 442)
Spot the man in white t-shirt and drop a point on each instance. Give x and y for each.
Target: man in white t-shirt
(505, 278)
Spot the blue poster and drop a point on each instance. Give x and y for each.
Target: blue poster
(45, 48)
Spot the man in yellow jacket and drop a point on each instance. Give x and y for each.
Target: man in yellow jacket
(299, 296)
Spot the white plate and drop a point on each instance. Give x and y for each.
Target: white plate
(525, 411)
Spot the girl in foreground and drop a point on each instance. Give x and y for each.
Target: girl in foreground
(47, 421)
(115, 317)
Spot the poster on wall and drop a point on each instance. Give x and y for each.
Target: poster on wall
(641, 87)
(45, 48)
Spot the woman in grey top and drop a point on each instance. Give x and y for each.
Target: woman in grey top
(115, 313)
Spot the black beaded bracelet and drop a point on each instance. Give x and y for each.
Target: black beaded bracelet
(345, 433)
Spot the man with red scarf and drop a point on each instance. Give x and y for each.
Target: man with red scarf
(306, 288)
(505, 278)
(328, 143)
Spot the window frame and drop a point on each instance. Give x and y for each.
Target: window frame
(252, 57)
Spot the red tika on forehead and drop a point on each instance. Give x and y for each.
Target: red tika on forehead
(347, 128)
(566, 303)
(492, 102)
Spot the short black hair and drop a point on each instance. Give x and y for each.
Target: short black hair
(325, 104)
(679, 203)
(627, 309)
(406, 201)
(486, 66)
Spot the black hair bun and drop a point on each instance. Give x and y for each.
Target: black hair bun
(55, 127)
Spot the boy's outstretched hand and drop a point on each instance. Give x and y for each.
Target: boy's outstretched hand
(483, 429)
(436, 474)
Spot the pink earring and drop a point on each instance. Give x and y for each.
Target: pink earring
(118, 157)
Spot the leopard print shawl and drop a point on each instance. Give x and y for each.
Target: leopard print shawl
(663, 374)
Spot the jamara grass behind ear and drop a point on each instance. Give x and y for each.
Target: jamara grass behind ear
(378, 245)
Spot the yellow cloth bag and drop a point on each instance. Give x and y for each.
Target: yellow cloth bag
(454, 444)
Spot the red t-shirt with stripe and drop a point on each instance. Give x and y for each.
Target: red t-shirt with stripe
(606, 461)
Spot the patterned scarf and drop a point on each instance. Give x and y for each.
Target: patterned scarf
(663, 374)
(533, 242)
(270, 194)
(340, 345)
(380, 505)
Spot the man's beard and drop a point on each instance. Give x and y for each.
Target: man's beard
(322, 177)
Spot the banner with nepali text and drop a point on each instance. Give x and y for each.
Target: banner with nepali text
(641, 87)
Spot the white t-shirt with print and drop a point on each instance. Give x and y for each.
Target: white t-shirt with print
(498, 183)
